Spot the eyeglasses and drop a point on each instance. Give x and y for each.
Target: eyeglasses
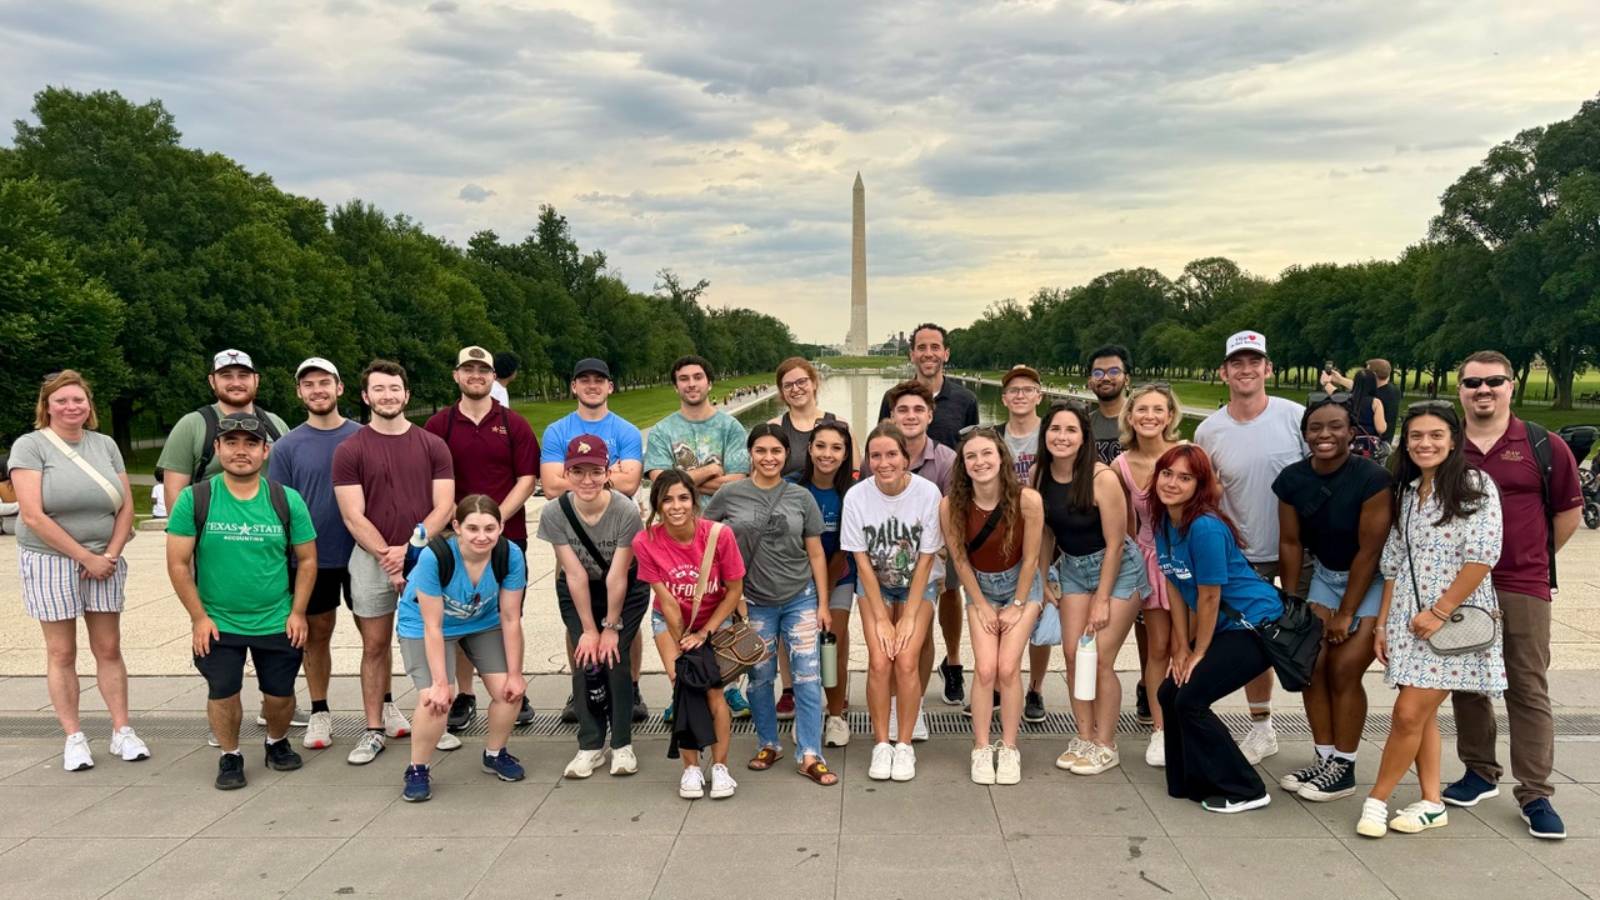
(1022, 391)
(795, 385)
(1472, 383)
(1112, 372)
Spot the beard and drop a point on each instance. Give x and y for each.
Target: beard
(390, 414)
(1105, 390)
(323, 408)
(473, 392)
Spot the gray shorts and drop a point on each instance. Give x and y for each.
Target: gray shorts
(486, 649)
(371, 594)
(843, 596)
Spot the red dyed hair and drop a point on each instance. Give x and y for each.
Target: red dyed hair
(1207, 490)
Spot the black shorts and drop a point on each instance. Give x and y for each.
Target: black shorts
(325, 594)
(276, 660)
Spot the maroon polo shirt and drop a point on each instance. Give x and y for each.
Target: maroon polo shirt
(1524, 566)
(490, 456)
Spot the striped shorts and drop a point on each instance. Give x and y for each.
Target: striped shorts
(54, 590)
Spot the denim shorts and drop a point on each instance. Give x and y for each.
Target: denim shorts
(1081, 574)
(1000, 588)
(658, 622)
(894, 595)
(1327, 589)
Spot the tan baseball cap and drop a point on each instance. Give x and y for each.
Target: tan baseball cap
(474, 355)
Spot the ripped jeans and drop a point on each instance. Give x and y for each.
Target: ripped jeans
(797, 621)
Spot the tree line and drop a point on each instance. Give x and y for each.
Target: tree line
(1510, 262)
(133, 258)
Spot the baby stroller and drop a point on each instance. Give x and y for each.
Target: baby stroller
(1581, 439)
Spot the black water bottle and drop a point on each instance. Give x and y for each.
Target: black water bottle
(597, 693)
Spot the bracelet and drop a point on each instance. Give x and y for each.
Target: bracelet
(1438, 615)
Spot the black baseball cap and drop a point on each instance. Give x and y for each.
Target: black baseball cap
(590, 364)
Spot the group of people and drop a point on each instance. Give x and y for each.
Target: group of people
(1070, 527)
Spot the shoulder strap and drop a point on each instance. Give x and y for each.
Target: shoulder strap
(112, 491)
(705, 572)
(449, 422)
(200, 495)
(208, 444)
(974, 545)
(280, 504)
(1544, 456)
(440, 545)
(500, 560)
(583, 533)
(266, 424)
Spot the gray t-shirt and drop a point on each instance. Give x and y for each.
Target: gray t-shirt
(82, 508)
(1248, 457)
(1024, 451)
(1107, 442)
(616, 528)
(771, 527)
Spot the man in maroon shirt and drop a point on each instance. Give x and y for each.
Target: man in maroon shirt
(1536, 518)
(495, 453)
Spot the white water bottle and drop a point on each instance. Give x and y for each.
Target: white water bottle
(1085, 668)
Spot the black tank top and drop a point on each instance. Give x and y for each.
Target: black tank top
(799, 443)
(1077, 531)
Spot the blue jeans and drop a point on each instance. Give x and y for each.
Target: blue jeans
(797, 620)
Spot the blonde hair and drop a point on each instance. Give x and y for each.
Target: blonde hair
(61, 379)
(1125, 432)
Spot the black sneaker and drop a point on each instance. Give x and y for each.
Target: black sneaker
(641, 710)
(462, 711)
(569, 713)
(1141, 705)
(966, 708)
(230, 772)
(1336, 781)
(1033, 707)
(955, 692)
(281, 757)
(525, 714)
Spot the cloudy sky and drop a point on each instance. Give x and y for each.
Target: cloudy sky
(1005, 146)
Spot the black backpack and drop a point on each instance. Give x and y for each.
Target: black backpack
(1539, 440)
(499, 560)
(208, 448)
(201, 495)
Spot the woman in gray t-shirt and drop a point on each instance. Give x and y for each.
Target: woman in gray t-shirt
(76, 516)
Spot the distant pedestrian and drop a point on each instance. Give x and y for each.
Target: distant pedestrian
(506, 367)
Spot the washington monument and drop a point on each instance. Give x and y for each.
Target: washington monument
(856, 343)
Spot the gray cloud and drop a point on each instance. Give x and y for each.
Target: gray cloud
(473, 193)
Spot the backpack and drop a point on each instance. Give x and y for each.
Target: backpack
(208, 447)
(499, 560)
(201, 495)
(1539, 440)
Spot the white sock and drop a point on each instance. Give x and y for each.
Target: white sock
(1376, 805)
(1349, 757)
(1432, 807)
(1324, 751)
(234, 752)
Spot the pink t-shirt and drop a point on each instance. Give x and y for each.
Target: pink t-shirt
(676, 566)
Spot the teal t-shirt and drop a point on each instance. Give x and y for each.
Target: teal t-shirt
(241, 561)
(468, 608)
(676, 442)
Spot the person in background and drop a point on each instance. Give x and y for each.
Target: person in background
(158, 497)
(506, 365)
(1387, 394)
(1021, 389)
(1369, 416)
(74, 516)
(829, 473)
(1110, 369)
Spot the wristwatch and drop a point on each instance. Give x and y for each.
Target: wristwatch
(614, 626)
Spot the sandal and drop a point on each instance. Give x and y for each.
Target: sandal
(819, 772)
(765, 758)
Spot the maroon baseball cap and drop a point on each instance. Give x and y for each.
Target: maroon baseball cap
(586, 449)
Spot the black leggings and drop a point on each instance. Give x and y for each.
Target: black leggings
(619, 677)
(1202, 759)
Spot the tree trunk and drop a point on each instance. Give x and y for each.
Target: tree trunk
(1522, 381)
(1562, 370)
(122, 424)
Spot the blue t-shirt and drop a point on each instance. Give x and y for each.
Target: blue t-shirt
(303, 460)
(832, 506)
(468, 608)
(1208, 554)
(622, 439)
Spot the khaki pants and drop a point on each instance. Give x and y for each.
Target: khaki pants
(1525, 625)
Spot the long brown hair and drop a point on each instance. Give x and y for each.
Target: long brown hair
(961, 498)
(1080, 493)
(1458, 493)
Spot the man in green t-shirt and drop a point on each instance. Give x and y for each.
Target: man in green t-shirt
(231, 571)
(234, 381)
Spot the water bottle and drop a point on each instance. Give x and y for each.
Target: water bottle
(597, 693)
(830, 659)
(1085, 668)
(414, 547)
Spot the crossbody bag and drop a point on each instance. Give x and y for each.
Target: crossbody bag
(1469, 629)
(114, 492)
(738, 645)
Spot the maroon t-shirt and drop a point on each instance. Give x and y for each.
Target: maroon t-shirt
(396, 475)
(490, 456)
(1524, 566)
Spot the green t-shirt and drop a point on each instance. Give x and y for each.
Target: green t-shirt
(677, 442)
(181, 452)
(241, 559)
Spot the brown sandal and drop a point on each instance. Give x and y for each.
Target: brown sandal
(818, 771)
(765, 759)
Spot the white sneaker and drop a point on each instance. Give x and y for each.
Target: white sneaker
(836, 732)
(367, 749)
(882, 766)
(623, 762)
(1098, 759)
(1419, 817)
(584, 764)
(722, 783)
(1007, 765)
(448, 741)
(319, 731)
(211, 739)
(1374, 821)
(1155, 755)
(1077, 748)
(919, 731)
(983, 765)
(1259, 743)
(294, 719)
(904, 767)
(75, 756)
(692, 786)
(1227, 807)
(126, 744)
(395, 723)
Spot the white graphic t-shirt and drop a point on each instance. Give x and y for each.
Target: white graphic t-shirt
(893, 531)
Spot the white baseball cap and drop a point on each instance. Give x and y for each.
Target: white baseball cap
(1245, 342)
(316, 362)
(231, 358)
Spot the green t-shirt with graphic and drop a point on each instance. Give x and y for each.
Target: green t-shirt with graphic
(676, 442)
(241, 560)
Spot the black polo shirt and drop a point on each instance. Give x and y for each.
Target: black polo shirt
(954, 408)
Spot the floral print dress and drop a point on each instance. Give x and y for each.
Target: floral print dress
(1437, 553)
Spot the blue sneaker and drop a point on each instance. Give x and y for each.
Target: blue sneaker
(666, 715)
(503, 766)
(417, 786)
(1469, 789)
(737, 705)
(1543, 821)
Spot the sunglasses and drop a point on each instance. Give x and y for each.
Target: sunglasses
(1323, 398)
(250, 426)
(1474, 382)
(978, 429)
(1431, 406)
